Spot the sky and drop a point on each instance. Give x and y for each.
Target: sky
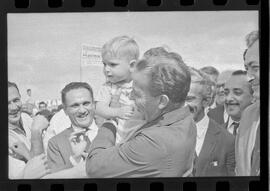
(44, 49)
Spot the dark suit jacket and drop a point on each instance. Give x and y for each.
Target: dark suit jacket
(59, 151)
(217, 114)
(162, 148)
(217, 156)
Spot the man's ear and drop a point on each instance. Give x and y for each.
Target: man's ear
(163, 101)
(206, 102)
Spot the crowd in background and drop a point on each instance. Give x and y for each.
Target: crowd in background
(155, 116)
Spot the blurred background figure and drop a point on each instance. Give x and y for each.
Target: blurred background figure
(211, 71)
(218, 113)
(29, 106)
(42, 106)
(213, 74)
(29, 98)
(222, 78)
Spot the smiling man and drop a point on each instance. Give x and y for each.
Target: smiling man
(238, 95)
(165, 145)
(63, 149)
(247, 147)
(24, 136)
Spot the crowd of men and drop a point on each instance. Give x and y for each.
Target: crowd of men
(154, 116)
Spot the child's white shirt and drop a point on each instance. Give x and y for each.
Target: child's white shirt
(107, 91)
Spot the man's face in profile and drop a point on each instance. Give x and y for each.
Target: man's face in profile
(146, 104)
(195, 100)
(14, 106)
(252, 65)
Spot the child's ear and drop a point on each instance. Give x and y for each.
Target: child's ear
(132, 63)
(163, 101)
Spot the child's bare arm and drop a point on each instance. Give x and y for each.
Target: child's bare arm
(107, 112)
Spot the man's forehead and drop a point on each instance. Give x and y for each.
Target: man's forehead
(236, 81)
(195, 89)
(80, 92)
(252, 54)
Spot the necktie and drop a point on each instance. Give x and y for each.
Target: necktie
(235, 126)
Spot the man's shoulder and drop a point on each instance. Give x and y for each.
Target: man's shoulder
(26, 117)
(61, 136)
(215, 111)
(251, 109)
(223, 133)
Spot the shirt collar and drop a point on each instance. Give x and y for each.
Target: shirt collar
(93, 126)
(173, 116)
(230, 122)
(203, 124)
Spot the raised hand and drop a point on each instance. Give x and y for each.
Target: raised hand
(21, 151)
(40, 123)
(78, 141)
(36, 167)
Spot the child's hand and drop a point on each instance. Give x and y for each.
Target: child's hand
(125, 112)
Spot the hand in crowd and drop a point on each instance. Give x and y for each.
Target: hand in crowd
(36, 167)
(78, 142)
(40, 123)
(21, 151)
(125, 112)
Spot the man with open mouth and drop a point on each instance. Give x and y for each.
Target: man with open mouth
(69, 147)
(25, 139)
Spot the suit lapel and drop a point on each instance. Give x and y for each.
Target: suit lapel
(208, 147)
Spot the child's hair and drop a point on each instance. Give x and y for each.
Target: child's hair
(121, 47)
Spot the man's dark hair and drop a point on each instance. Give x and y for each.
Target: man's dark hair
(168, 75)
(243, 73)
(73, 86)
(157, 51)
(28, 90)
(12, 84)
(42, 102)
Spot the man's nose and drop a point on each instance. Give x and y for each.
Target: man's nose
(82, 109)
(250, 76)
(229, 97)
(12, 106)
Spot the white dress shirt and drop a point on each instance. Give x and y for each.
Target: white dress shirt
(202, 127)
